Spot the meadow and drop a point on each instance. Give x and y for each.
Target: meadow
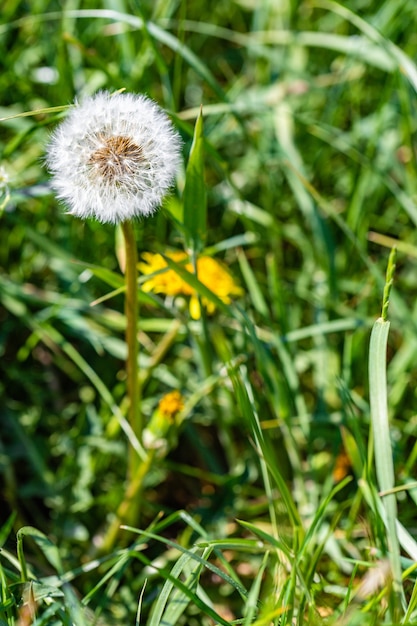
(271, 477)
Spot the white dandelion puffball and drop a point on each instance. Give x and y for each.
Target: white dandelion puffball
(114, 157)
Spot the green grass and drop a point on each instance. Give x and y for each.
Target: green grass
(285, 493)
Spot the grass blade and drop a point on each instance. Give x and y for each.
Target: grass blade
(381, 431)
(195, 202)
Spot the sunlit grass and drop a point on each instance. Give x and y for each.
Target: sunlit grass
(264, 501)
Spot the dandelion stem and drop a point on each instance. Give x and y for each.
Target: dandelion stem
(132, 317)
(129, 504)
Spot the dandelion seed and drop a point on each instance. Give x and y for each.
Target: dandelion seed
(114, 157)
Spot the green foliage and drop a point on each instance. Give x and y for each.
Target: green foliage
(265, 507)
(194, 198)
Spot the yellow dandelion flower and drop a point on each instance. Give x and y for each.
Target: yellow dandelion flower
(166, 281)
(171, 404)
(162, 430)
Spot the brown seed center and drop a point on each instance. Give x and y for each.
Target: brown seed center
(117, 157)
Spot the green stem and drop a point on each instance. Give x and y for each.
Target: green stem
(21, 555)
(388, 283)
(128, 510)
(132, 318)
(130, 503)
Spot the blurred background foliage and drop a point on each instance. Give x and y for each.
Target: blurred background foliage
(310, 126)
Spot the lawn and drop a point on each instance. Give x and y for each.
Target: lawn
(208, 413)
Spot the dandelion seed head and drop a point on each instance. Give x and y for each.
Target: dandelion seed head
(114, 157)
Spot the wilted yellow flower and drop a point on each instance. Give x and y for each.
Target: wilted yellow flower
(166, 281)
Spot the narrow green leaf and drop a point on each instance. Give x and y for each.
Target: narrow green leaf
(113, 279)
(267, 537)
(398, 56)
(49, 550)
(384, 464)
(252, 604)
(195, 201)
(195, 599)
(383, 452)
(254, 289)
(75, 609)
(167, 611)
(245, 545)
(194, 556)
(6, 529)
(320, 516)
